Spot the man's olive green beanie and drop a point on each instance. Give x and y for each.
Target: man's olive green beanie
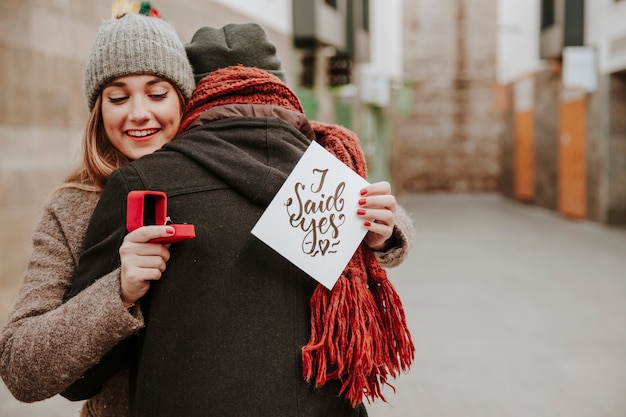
(234, 44)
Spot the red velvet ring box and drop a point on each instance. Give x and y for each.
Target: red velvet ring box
(146, 208)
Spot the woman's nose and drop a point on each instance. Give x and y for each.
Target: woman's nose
(139, 111)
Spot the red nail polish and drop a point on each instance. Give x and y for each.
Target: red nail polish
(367, 224)
(362, 202)
(170, 230)
(363, 192)
(360, 212)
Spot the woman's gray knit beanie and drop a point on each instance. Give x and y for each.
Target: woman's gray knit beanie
(136, 44)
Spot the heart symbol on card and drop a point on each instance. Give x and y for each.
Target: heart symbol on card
(324, 244)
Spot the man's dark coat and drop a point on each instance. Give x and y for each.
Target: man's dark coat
(226, 322)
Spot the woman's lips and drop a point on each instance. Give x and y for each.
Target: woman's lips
(143, 135)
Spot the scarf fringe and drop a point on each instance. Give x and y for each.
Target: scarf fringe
(359, 333)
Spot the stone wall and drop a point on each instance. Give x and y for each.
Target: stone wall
(615, 208)
(42, 53)
(506, 139)
(597, 134)
(449, 142)
(547, 90)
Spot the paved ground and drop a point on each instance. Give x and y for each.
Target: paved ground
(515, 312)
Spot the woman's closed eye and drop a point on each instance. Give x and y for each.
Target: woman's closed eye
(160, 96)
(117, 99)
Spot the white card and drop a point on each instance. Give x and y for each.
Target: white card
(312, 220)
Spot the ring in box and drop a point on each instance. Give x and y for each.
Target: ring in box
(145, 208)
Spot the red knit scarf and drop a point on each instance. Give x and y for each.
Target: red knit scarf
(359, 334)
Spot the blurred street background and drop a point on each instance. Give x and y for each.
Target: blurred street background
(500, 125)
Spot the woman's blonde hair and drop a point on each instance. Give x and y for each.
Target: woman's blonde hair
(99, 157)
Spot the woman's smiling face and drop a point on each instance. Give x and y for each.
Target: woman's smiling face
(140, 113)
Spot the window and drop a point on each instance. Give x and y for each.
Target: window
(366, 15)
(547, 13)
(339, 70)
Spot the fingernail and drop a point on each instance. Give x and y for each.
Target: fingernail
(170, 230)
(363, 191)
(362, 202)
(367, 224)
(360, 212)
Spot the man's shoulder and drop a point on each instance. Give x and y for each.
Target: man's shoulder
(163, 156)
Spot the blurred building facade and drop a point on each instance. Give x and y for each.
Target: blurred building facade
(563, 134)
(446, 140)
